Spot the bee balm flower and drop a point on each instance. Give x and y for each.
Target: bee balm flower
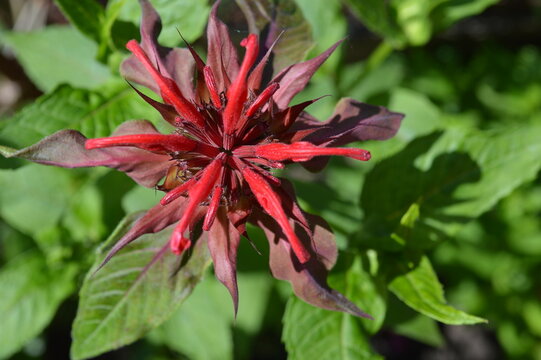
(230, 131)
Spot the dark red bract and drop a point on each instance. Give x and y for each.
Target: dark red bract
(229, 132)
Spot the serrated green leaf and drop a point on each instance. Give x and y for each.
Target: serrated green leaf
(69, 57)
(94, 113)
(421, 290)
(314, 333)
(136, 291)
(31, 294)
(86, 15)
(297, 38)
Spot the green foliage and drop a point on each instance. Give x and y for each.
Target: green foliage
(135, 292)
(71, 61)
(31, 294)
(311, 333)
(296, 40)
(189, 17)
(413, 22)
(455, 196)
(421, 290)
(95, 113)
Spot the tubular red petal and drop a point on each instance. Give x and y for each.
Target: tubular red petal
(151, 142)
(169, 90)
(197, 193)
(236, 94)
(154, 142)
(211, 86)
(177, 192)
(304, 151)
(271, 203)
(262, 99)
(178, 242)
(213, 208)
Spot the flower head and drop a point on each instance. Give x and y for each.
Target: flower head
(230, 130)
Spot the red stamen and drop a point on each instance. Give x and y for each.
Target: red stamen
(262, 99)
(211, 86)
(236, 94)
(304, 151)
(197, 193)
(168, 88)
(271, 203)
(213, 208)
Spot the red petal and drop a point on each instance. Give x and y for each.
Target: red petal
(262, 99)
(169, 90)
(270, 202)
(213, 207)
(197, 193)
(236, 94)
(304, 151)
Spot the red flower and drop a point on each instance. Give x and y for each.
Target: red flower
(230, 131)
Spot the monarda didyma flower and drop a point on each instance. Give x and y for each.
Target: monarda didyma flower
(230, 131)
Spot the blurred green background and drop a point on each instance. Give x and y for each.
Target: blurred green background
(459, 184)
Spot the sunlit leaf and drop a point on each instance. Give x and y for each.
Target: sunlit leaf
(421, 290)
(189, 17)
(69, 57)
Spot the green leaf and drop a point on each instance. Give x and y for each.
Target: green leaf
(30, 207)
(188, 16)
(423, 117)
(407, 322)
(413, 22)
(86, 15)
(69, 57)
(297, 38)
(368, 292)
(94, 113)
(31, 294)
(136, 291)
(452, 177)
(314, 333)
(187, 331)
(328, 25)
(140, 198)
(450, 11)
(420, 289)
(379, 16)
(208, 308)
